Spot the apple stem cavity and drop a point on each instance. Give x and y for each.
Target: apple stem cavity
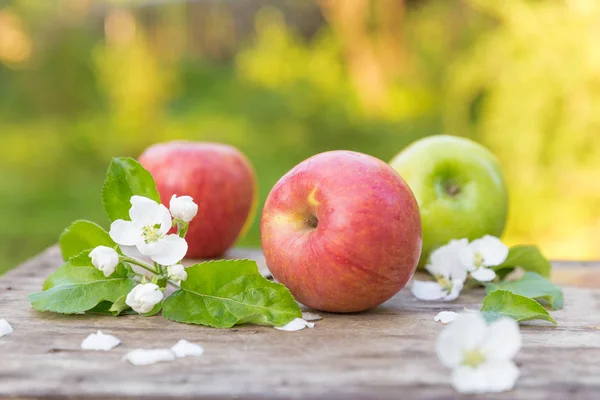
(452, 189)
(312, 221)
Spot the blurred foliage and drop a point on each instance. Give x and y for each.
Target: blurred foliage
(82, 81)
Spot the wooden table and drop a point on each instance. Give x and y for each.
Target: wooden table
(384, 353)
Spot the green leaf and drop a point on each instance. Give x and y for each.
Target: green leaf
(77, 286)
(83, 235)
(527, 257)
(534, 286)
(225, 293)
(119, 305)
(502, 303)
(126, 177)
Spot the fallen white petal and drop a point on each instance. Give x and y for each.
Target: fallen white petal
(483, 274)
(5, 328)
(100, 341)
(147, 357)
(445, 317)
(427, 290)
(308, 316)
(296, 324)
(183, 348)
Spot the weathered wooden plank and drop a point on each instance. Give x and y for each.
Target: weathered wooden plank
(387, 352)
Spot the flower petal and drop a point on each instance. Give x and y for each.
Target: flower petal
(488, 378)
(428, 290)
(492, 249)
(465, 333)
(445, 261)
(467, 258)
(183, 348)
(166, 221)
(147, 357)
(467, 379)
(296, 324)
(457, 286)
(124, 232)
(483, 274)
(100, 341)
(503, 340)
(145, 211)
(169, 250)
(445, 317)
(308, 316)
(5, 328)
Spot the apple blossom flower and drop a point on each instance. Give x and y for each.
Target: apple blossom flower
(177, 273)
(100, 341)
(151, 356)
(297, 324)
(5, 328)
(144, 297)
(183, 348)
(183, 208)
(479, 355)
(148, 231)
(449, 273)
(105, 259)
(445, 317)
(488, 251)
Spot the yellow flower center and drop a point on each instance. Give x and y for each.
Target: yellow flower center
(478, 259)
(152, 233)
(473, 358)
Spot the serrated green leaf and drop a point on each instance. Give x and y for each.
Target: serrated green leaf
(83, 235)
(527, 257)
(77, 286)
(502, 303)
(225, 293)
(534, 286)
(126, 177)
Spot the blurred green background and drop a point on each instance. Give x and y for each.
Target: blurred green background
(82, 81)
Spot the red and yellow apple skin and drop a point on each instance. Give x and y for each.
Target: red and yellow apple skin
(342, 231)
(221, 181)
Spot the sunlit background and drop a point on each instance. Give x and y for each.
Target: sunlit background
(82, 81)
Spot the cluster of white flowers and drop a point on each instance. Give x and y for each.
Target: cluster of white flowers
(450, 265)
(148, 231)
(480, 355)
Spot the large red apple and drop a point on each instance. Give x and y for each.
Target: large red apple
(342, 231)
(219, 178)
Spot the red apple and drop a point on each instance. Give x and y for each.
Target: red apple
(219, 178)
(342, 231)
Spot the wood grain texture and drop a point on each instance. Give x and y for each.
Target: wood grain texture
(385, 353)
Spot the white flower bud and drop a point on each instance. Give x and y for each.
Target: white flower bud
(105, 259)
(144, 297)
(183, 208)
(177, 272)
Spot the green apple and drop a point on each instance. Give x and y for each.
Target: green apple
(459, 188)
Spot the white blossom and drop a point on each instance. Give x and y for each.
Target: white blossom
(105, 259)
(296, 324)
(183, 348)
(5, 328)
(449, 273)
(445, 317)
(146, 357)
(148, 231)
(100, 341)
(177, 272)
(489, 251)
(144, 297)
(183, 208)
(479, 355)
